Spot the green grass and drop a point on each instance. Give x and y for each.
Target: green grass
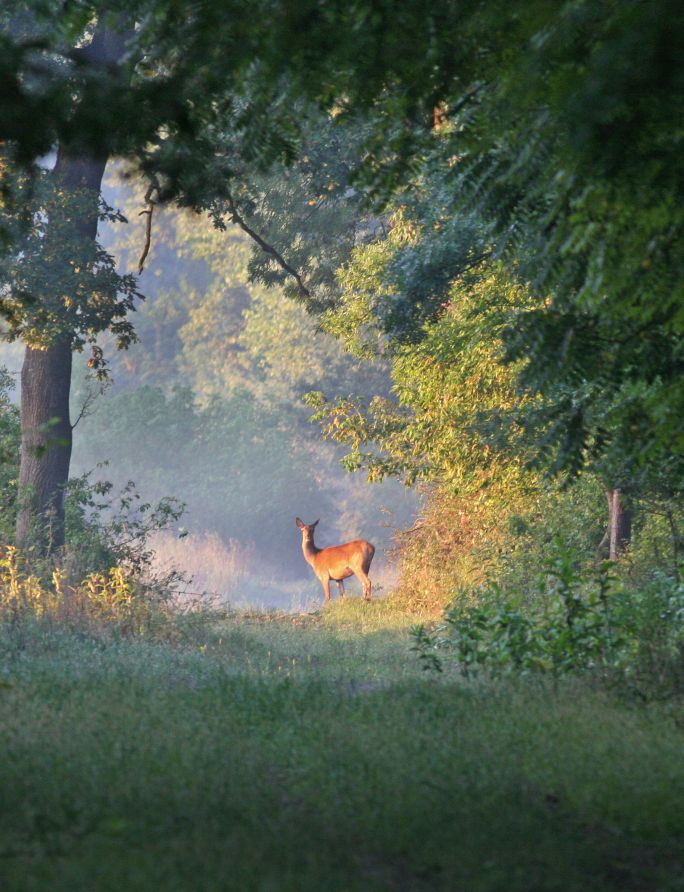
(311, 753)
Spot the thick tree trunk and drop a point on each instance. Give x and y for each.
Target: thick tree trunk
(45, 446)
(619, 533)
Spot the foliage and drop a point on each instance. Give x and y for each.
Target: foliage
(587, 211)
(531, 164)
(565, 630)
(579, 621)
(58, 283)
(198, 76)
(452, 393)
(657, 545)
(304, 217)
(107, 529)
(114, 601)
(462, 543)
(562, 135)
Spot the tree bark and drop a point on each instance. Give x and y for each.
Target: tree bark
(46, 374)
(45, 446)
(619, 524)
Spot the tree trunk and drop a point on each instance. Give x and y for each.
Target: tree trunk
(46, 380)
(619, 533)
(45, 446)
(46, 374)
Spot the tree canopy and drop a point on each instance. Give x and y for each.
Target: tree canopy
(543, 135)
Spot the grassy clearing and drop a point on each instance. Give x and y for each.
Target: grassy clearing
(310, 753)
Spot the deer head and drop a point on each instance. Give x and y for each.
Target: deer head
(306, 528)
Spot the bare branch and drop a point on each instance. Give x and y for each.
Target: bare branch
(90, 398)
(148, 226)
(268, 249)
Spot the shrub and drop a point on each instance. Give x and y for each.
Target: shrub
(505, 531)
(582, 621)
(106, 529)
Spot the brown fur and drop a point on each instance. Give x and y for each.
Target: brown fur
(337, 562)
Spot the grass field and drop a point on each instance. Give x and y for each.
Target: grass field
(311, 753)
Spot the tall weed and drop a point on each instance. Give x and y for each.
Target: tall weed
(113, 601)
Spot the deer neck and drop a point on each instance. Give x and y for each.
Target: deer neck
(309, 549)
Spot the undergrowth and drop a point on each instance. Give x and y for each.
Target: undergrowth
(582, 620)
(112, 602)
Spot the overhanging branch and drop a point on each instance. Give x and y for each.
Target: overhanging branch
(265, 247)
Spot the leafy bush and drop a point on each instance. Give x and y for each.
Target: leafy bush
(505, 531)
(106, 529)
(108, 579)
(582, 621)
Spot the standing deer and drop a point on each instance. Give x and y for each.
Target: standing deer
(337, 562)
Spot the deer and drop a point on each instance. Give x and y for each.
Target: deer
(337, 562)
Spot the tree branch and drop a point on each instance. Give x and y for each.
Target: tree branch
(148, 226)
(265, 247)
(89, 399)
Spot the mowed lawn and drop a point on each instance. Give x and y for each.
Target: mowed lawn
(311, 753)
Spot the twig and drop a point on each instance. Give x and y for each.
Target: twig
(87, 403)
(265, 247)
(148, 226)
(414, 529)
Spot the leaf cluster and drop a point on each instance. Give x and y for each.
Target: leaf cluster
(58, 283)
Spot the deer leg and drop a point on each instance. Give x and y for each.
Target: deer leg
(325, 582)
(366, 583)
(340, 587)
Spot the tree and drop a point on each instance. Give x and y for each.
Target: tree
(63, 290)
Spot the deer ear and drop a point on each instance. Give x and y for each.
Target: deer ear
(316, 522)
(300, 523)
